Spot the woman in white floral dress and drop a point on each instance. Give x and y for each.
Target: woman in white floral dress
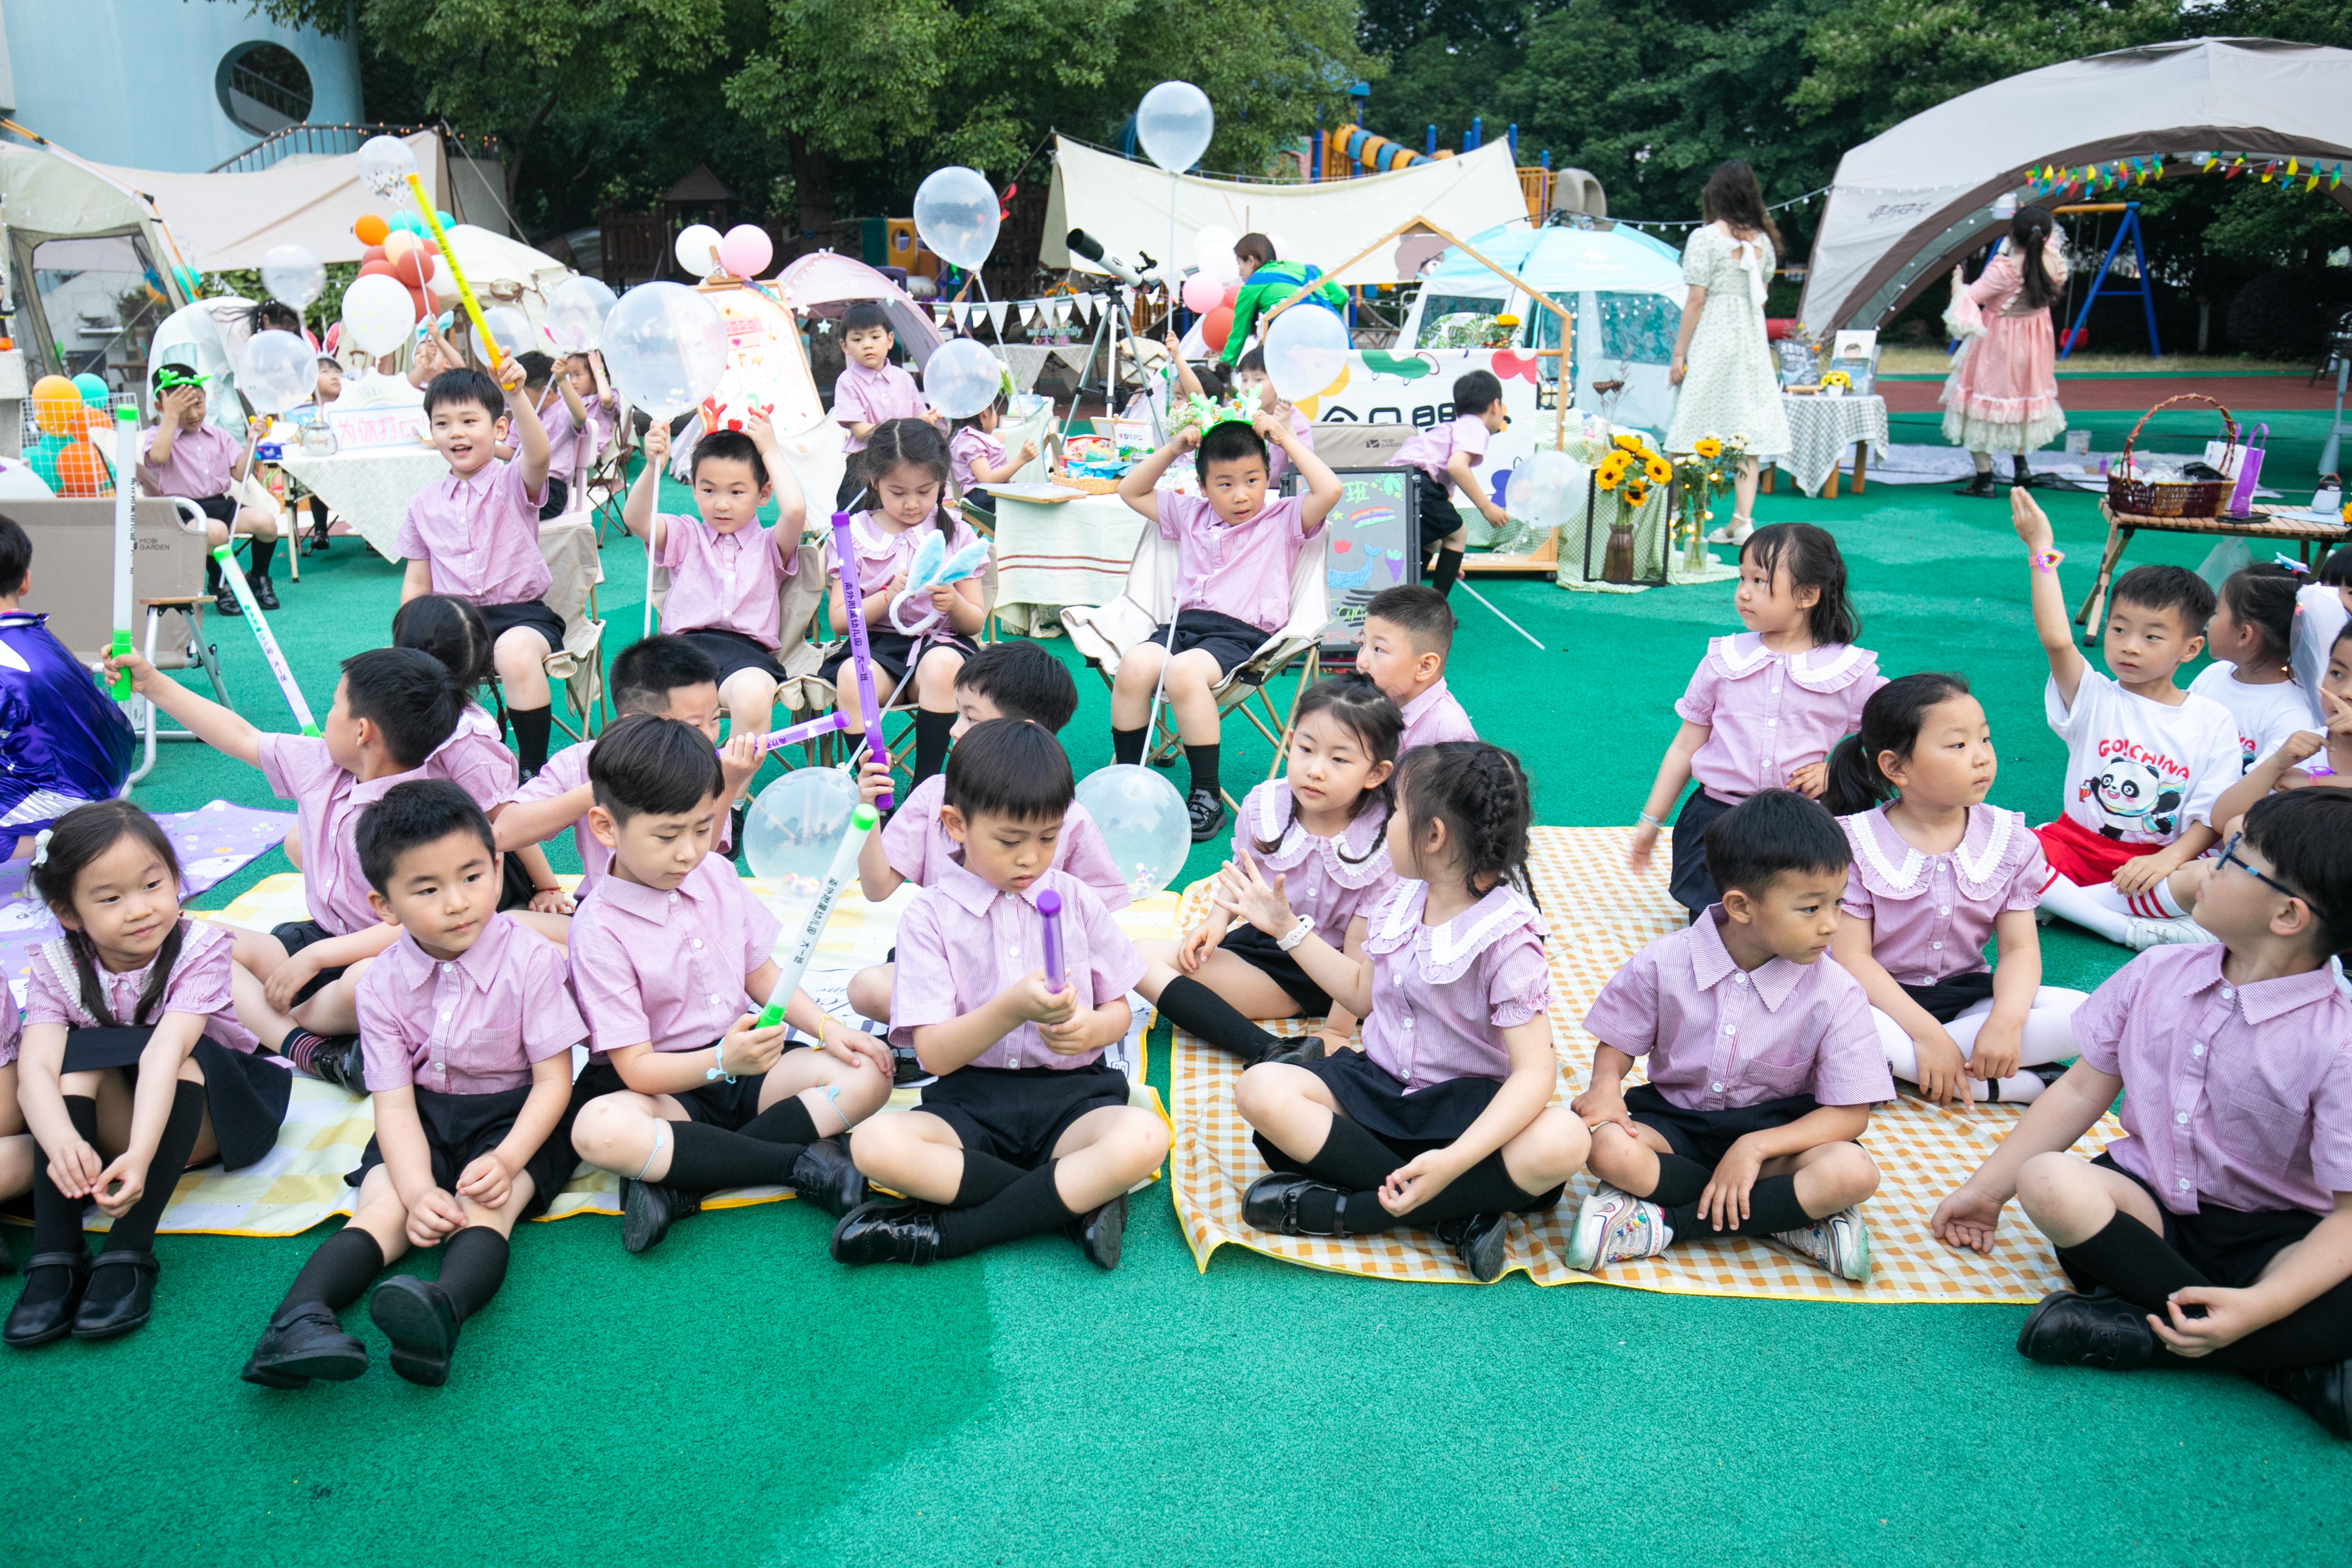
(1722, 363)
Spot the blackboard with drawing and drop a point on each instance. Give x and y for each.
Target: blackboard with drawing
(1371, 535)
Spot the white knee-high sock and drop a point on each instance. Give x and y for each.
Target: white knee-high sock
(1902, 1057)
(2101, 910)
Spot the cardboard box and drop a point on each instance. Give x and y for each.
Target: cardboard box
(73, 565)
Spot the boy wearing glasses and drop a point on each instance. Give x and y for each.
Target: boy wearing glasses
(2219, 1227)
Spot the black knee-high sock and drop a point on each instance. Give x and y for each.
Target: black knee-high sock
(1484, 1188)
(473, 1266)
(704, 1157)
(264, 550)
(56, 1218)
(1773, 1208)
(530, 726)
(1449, 567)
(2317, 1333)
(1201, 1012)
(985, 1177)
(212, 574)
(1126, 746)
(931, 742)
(1028, 1207)
(1203, 762)
(337, 1274)
(1355, 1163)
(1680, 1181)
(135, 1231)
(786, 1122)
(2133, 1262)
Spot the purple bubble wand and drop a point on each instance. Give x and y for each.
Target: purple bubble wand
(1049, 910)
(845, 554)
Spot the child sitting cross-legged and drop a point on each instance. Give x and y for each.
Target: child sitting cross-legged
(1444, 1119)
(392, 710)
(2145, 760)
(1763, 1061)
(1234, 553)
(1408, 637)
(1026, 1129)
(683, 1093)
(1937, 872)
(467, 1028)
(2218, 1230)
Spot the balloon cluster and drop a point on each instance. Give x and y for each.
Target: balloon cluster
(744, 251)
(69, 415)
(1210, 292)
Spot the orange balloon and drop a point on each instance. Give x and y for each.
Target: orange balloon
(80, 470)
(370, 229)
(412, 266)
(57, 406)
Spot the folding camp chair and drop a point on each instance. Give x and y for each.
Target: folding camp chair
(802, 693)
(577, 667)
(1106, 634)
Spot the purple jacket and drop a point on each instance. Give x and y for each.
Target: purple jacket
(63, 742)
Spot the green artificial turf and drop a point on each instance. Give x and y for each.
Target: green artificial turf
(735, 1397)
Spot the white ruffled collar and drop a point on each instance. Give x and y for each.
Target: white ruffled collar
(1265, 810)
(1446, 951)
(1831, 667)
(1987, 857)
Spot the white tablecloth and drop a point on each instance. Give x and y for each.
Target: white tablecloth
(370, 490)
(1066, 552)
(1822, 430)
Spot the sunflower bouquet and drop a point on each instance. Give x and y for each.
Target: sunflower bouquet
(1704, 473)
(1627, 471)
(1836, 382)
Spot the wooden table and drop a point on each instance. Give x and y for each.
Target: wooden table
(2261, 527)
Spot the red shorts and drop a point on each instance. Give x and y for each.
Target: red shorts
(2084, 858)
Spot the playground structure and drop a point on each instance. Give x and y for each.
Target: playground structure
(1344, 151)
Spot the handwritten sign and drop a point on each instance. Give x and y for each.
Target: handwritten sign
(1371, 534)
(357, 429)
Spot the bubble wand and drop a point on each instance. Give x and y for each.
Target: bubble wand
(803, 948)
(1049, 910)
(234, 575)
(845, 554)
(798, 733)
(457, 273)
(126, 458)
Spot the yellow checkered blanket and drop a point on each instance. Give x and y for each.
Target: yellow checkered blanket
(1600, 914)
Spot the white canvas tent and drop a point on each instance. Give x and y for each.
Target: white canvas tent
(1906, 205)
(1125, 204)
(223, 221)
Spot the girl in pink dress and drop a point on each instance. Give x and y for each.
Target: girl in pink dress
(2003, 395)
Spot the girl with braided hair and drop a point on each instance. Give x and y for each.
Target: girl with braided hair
(1444, 1118)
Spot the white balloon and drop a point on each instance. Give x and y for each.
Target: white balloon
(696, 249)
(510, 326)
(442, 284)
(793, 829)
(1305, 350)
(1174, 123)
(1143, 823)
(293, 275)
(576, 312)
(962, 378)
(665, 348)
(378, 314)
(1213, 250)
(277, 371)
(957, 215)
(1539, 487)
(385, 164)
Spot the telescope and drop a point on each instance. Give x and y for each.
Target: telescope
(1090, 247)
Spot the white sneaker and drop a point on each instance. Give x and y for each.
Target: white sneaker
(1840, 1244)
(2142, 933)
(1612, 1224)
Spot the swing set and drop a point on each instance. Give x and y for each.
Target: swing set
(2136, 270)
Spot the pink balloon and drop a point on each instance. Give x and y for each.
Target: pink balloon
(1232, 294)
(745, 250)
(1202, 295)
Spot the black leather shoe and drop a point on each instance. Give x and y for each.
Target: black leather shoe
(1979, 484)
(1272, 1203)
(1478, 1240)
(907, 1067)
(1208, 814)
(105, 1317)
(1100, 1232)
(416, 1316)
(225, 601)
(34, 1323)
(826, 1177)
(339, 1061)
(649, 1209)
(303, 1343)
(902, 1232)
(2100, 1330)
(264, 592)
(2322, 1392)
(1297, 1054)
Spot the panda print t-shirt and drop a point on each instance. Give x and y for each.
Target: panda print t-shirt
(2138, 771)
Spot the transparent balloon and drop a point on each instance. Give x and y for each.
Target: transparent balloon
(385, 164)
(745, 250)
(1305, 349)
(697, 249)
(1143, 822)
(665, 348)
(956, 214)
(1174, 123)
(576, 312)
(293, 275)
(277, 371)
(793, 829)
(509, 326)
(962, 378)
(1540, 486)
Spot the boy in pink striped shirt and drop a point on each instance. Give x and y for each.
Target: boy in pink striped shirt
(186, 457)
(870, 390)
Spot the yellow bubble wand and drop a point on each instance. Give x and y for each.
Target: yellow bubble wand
(457, 273)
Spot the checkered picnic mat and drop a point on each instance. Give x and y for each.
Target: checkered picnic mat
(1600, 914)
(299, 1183)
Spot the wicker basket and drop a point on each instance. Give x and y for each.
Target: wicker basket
(1093, 486)
(2182, 497)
